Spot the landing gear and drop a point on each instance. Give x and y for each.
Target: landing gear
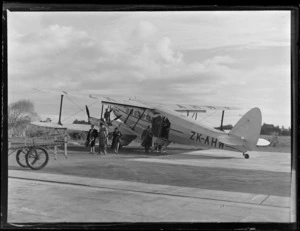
(246, 155)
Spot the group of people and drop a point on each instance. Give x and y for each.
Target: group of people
(93, 134)
(147, 136)
(103, 139)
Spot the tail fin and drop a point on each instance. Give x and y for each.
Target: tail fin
(248, 127)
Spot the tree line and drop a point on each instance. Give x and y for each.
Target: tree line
(270, 129)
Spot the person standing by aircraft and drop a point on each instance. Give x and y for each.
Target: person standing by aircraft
(103, 135)
(116, 140)
(107, 116)
(91, 139)
(165, 128)
(147, 138)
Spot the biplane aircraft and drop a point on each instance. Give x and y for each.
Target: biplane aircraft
(170, 123)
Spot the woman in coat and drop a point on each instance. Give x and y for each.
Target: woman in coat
(103, 136)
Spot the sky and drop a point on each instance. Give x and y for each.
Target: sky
(221, 58)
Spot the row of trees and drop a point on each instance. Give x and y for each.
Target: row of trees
(270, 129)
(267, 129)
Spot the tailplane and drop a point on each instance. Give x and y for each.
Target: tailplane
(248, 127)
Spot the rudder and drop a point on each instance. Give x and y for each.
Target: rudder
(248, 127)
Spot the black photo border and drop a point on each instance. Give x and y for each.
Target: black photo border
(41, 6)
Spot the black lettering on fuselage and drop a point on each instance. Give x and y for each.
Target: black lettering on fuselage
(192, 136)
(198, 137)
(213, 142)
(207, 140)
(221, 145)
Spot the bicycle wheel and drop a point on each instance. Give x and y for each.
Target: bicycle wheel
(37, 158)
(21, 157)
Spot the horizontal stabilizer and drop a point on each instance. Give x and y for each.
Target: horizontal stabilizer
(262, 142)
(231, 140)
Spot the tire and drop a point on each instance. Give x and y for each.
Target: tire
(21, 157)
(37, 158)
(246, 156)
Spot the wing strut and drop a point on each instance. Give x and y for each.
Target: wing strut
(128, 116)
(139, 119)
(60, 109)
(195, 114)
(221, 127)
(101, 112)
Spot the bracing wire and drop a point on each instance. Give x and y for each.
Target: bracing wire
(81, 109)
(208, 116)
(73, 102)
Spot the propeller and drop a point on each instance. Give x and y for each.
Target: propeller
(87, 112)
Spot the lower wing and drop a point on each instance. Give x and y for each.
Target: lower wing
(76, 127)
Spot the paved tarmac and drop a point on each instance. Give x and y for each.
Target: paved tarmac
(180, 186)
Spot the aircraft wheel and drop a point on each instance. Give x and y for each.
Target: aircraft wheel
(21, 157)
(37, 158)
(246, 155)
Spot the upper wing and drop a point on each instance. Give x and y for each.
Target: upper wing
(131, 103)
(175, 107)
(198, 108)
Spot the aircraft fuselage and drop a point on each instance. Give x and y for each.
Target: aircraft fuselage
(183, 129)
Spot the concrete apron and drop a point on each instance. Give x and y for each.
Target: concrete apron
(47, 197)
